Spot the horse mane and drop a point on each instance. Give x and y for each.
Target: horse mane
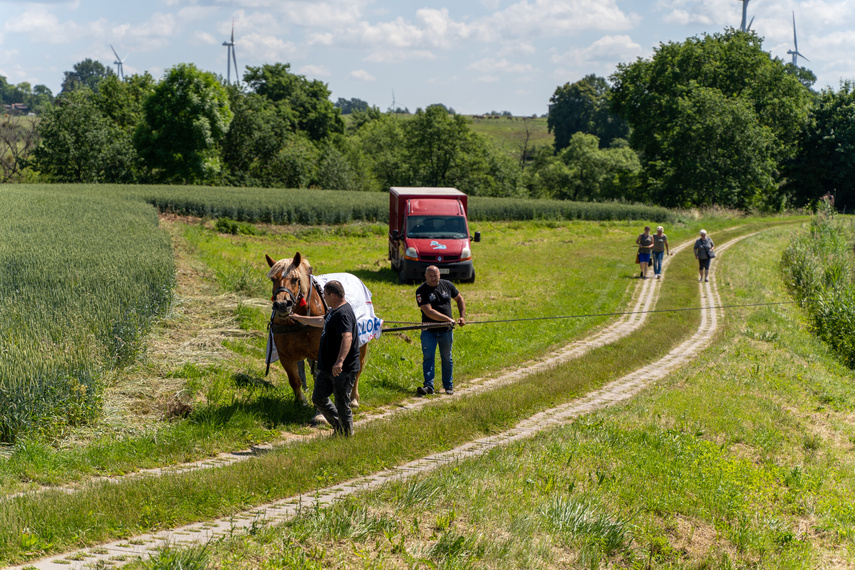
(288, 269)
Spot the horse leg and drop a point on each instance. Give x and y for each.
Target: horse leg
(294, 380)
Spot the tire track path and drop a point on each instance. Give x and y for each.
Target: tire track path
(618, 390)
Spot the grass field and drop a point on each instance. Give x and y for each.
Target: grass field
(229, 413)
(511, 134)
(742, 459)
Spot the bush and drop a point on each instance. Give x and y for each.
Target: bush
(819, 268)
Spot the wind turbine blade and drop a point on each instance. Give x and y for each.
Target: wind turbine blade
(234, 59)
(748, 29)
(114, 52)
(233, 30)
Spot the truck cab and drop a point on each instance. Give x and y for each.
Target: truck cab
(428, 226)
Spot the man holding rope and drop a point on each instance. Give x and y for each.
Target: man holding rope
(434, 298)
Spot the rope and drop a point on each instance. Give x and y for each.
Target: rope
(426, 325)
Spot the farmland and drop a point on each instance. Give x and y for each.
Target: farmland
(606, 465)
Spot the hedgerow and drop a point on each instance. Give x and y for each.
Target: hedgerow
(311, 207)
(81, 276)
(819, 267)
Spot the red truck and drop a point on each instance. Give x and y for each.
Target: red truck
(428, 226)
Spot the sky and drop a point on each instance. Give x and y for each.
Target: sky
(475, 56)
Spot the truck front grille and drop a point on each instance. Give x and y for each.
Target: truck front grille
(444, 257)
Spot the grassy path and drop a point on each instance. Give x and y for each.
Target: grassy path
(626, 354)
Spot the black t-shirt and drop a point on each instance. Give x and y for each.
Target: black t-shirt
(438, 297)
(337, 322)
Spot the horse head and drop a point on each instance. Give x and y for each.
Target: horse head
(291, 282)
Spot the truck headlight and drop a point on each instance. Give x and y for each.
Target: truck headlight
(465, 253)
(411, 253)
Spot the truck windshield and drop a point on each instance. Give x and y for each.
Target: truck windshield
(448, 227)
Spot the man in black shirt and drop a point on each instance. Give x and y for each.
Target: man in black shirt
(434, 298)
(338, 358)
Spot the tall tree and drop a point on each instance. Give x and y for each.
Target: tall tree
(303, 104)
(583, 107)
(826, 158)
(653, 97)
(79, 144)
(86, 74)
(184, 119)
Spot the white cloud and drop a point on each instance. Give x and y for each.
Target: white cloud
(264, 47)
(399, 56)
(362, 75)
(491, 65)
(314, 71)
(204, 38)
(542, 18)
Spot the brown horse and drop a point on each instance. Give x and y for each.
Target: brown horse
(294, 293)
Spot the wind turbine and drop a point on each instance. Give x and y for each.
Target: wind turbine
(795, 52)
(742, 26)
(119, 61)
(230, 56)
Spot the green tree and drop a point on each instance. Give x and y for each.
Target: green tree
(256, 134)
(583, 107)
(122, 101)
(826, 157)
(184, 119)
(348, 106)
(85, 74)
(441, 150)
(79, 144)
(585, 172)
(728, 73)
(303, 104)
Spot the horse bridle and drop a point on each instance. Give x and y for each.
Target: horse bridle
(296, 301)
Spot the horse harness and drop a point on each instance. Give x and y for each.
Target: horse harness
(274, 329)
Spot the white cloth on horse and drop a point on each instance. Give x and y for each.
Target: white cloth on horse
(359, 297)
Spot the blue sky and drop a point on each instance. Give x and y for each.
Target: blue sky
(472, 55)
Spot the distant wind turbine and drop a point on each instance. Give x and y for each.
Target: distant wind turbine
(742, 26)
(230, 56)
(393, 108)
(795, 52)
(119, 61)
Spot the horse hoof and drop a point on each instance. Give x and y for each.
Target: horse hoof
(354, 403)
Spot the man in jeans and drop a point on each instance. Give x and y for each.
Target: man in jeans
(338, 358)
(434, 298)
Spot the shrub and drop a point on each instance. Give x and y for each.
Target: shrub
(819, 267)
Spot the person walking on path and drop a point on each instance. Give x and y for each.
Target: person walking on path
(434, 298)
(704, 253)
(660, 247)
(645, 245)
(338, 358)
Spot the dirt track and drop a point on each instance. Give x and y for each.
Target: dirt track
(620, 389)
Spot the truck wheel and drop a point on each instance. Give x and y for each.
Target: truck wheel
(471, 279)
(402, 279)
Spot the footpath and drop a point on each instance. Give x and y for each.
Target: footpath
(644, 299)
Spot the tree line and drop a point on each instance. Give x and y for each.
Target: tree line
(716, 120)
(712, 120)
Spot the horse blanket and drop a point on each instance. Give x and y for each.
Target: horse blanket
(357, 294)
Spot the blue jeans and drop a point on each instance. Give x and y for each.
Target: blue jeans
(430, 340)
(657, 262)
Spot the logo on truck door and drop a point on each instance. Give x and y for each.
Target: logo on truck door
(437, 245)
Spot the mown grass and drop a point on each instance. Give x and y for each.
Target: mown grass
(741, 459)
(81, 277)
(53, 521)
